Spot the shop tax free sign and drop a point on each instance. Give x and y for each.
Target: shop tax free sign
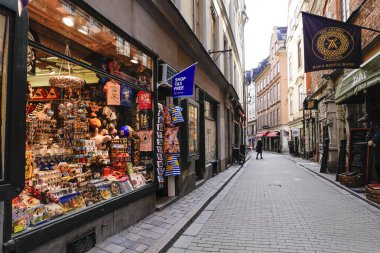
(183, 83)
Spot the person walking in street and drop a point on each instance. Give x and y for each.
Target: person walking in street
(259, 149)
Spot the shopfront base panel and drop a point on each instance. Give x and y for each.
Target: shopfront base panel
(104, 226)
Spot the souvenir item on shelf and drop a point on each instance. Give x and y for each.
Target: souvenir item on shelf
(37, 215)
(167, 117)
(137, 180)
(126, 132)
(105, 192)
(94, 121)
(172, 166)
(66, 81)
(176, 114)
(54, 210)
(115, 188)
(171, 143)
(146, 140)
(112, 88)
(101, 139)
(20, 219)
(144, 99)
(127, 95)
(125, 185)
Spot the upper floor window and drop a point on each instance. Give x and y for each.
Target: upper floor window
(290, 68)
(214, 31)
(197, 18)
(299, 50)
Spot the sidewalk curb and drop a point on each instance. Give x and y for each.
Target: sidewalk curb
(336, 184)
(166, 243)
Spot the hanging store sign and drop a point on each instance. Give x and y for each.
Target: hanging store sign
(183, 83)
(310, 104)
(330, 44)
(295, 132)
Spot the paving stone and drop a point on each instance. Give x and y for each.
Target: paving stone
(193, 229)
(274, 205)
(114, 248)
(183, 241)
(129, 244)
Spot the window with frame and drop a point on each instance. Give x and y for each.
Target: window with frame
(214, 40)
(290, 64)
(291, 104)
(197, 18)
(299, 51)
(226, 58)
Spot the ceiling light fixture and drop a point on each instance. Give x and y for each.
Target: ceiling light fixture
(83, 30)
(134, 60)
(68, 20)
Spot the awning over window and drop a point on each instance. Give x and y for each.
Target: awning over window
(358, 80)
(261, 134)
(273, 134)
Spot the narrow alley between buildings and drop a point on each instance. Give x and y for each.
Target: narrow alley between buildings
(274, 205)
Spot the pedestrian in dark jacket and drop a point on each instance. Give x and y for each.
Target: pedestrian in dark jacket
(259, 149)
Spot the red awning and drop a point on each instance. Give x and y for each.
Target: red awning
(261, 134)
(273, 134)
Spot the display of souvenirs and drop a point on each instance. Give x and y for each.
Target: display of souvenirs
(171, 143)
(172, 165)
(86, 144)
(176, 114)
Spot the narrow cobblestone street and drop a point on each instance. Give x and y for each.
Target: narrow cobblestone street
(274, 205)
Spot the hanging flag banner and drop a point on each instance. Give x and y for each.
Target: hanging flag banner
(330, 44)
(21, 5)
(183, 83)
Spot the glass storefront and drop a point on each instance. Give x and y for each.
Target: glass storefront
(89, 116)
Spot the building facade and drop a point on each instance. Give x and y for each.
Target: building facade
(251, 107)
(96, 70)
(298, 81)
(271, 99)
(347, 104)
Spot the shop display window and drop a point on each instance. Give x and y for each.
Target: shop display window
(193, 128)
(89, 136)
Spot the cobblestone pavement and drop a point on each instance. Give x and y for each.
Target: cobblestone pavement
(274, 205)
(155, 231)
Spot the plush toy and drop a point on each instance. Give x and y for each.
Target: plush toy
(94, 121)
(101, 139)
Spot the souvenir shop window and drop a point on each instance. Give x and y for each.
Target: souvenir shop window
(193, 129)
(55, 21)
(3, 68)
(89, 140)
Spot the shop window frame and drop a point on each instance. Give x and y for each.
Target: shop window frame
(12, 178)
(16, 102)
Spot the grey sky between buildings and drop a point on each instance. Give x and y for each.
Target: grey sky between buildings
(263, 16)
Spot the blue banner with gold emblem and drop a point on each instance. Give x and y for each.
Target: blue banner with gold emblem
(330, 44)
